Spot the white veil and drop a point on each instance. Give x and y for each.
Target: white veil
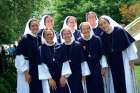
(72, 38)
(91, 31)
(97, 20)
(27, 29)
(42, 23)
(43, 41)
(42, 26)
(112, 22)
(65, 22)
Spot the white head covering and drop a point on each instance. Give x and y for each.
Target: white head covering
(42, 22)
(65, 22)
(43, 40)
(27, 28)
(42, 26)
(91, 31)
(97, 20)
(72, 38)
(0, 49)
(112, 22)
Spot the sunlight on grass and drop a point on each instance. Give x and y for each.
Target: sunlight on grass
(137, 68)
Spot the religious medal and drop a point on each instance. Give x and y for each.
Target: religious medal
(89, 55)
(69, 61)
(84, 47)
(53, 59)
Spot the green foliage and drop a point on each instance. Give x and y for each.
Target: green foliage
(78, 8)
(5, 86)
(8, 79)
(3, 89)
(41, 7)
(137, 69)
(15, 13)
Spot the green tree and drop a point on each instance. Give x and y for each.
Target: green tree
(78, 8)
(14, 14)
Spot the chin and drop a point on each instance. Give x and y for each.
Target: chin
(68, 40)
(34, 32)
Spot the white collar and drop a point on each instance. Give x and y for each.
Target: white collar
(95, 26)
(73, 31)
(69, 42)
(86, 39)
(34, 35)
(111, 30)
(46, 43)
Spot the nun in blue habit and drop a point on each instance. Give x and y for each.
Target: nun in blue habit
(120, 51)
(92, 19)
(26, 60)
(71, 22)
(47, 22)
(93, 55)
(72, 53)
(51, 69)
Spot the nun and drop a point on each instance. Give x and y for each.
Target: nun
(93, 55)
(47, 22)
(71, 22)
(92, 18)
(120, 51)
(72, 53)
(50, 65)
(26, 61)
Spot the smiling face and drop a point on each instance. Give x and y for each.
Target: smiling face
(66, 35)
(49, 36)
(71, 22)
(34, 26)
(104, 24)
(49, 22)
(85, 30)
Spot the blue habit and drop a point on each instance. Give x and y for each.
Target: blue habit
(98, 31)
(50, 55)
(28, 47)
(92, 54)
(113, 45)
(73, 54)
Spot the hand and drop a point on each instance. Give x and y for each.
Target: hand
(84, 47)
(103, 71)
(131, 63)
(83, 78)
(62, 81)
(27, 77)
(52, 84)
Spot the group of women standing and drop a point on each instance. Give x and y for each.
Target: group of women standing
(96, 58)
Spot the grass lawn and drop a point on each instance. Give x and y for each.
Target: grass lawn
(137, 68)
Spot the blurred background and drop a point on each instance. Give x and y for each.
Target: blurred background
(15, 13)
